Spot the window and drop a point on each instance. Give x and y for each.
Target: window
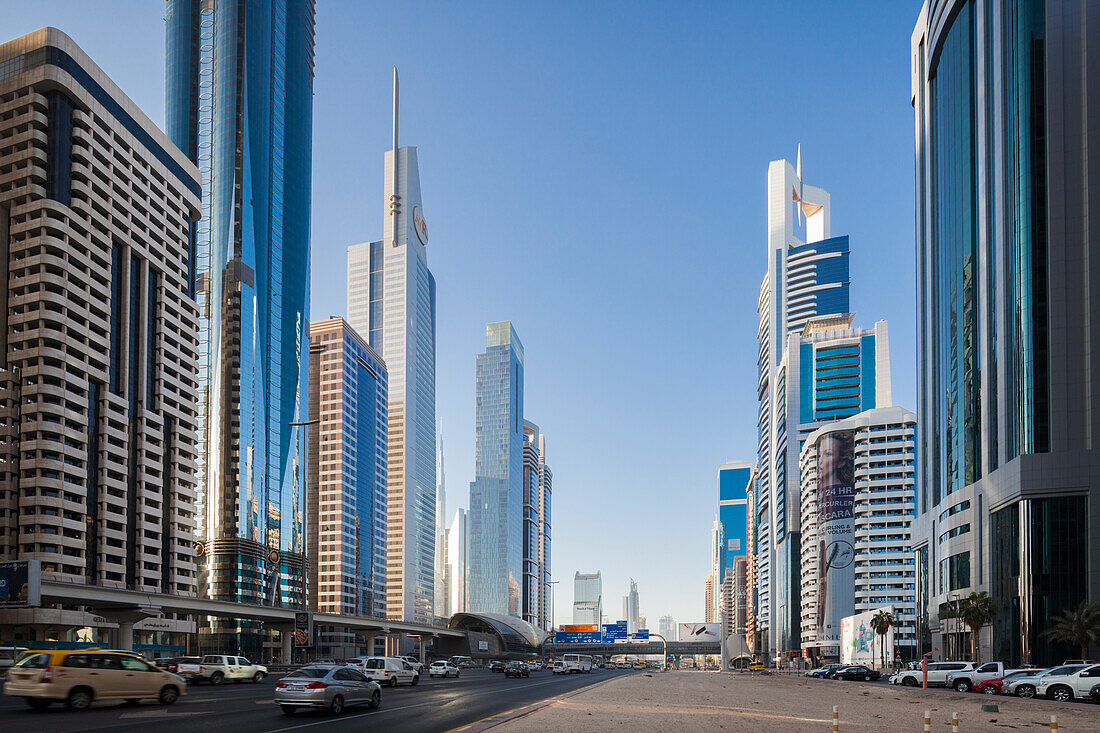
(134, 664)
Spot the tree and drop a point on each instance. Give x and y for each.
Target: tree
(976, 611)
(1078, 626)
(881, 623)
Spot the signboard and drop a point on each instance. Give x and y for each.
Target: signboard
(579, 627)
(641, 635)
(836, 533)
(615, 632)
(700, 632)
(303, 629)
(483, 646)
(578, 637)
(20, 584)
(859, 644)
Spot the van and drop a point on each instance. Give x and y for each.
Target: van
(81, 676)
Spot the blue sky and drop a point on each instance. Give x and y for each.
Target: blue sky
(595, 172)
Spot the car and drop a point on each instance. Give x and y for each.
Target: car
(389, 671)
(171, 664)
(822, 671)
(1027, 686)
(496, 666)
(329, 687)
(218, 668)
(559, 667)
(78, 677)
(937, 674)
(855, 672)
(756, 667)
(1080, 661)
(1075, 685)
(442, 668)
(414, 663)
(516, 669)
(996, 686)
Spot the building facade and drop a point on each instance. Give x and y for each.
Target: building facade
(632, 609)
(98, 413)
(456, 574)
(883, 469)
(239, 105)
(442, 602)
(1008, 496)
(537, 496)
(667, 628)
(496, 494)
(391, 302)
(588, 598)
(346, 498)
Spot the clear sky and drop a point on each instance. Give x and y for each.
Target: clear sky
(595, 173)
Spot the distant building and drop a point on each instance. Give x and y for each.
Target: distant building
(740, 578)
(631, 609)
(588, 598)
(537, 494)
(729, 535)
(441, 601)
(666, 627)
(455, 561)
(710, 600)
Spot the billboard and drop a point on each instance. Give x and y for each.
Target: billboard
(700, 632)
(859, 644)
(20, 584)
(835, 533)
(579, 627)
(303, 629)
(578, 637)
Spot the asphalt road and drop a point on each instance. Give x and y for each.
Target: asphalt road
(434, 705)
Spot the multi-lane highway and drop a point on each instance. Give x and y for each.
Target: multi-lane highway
(433, 705)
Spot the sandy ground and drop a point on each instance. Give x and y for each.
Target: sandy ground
(687, 702)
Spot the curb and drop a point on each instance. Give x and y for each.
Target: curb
(509, 715)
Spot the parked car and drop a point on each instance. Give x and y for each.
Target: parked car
(442, 668)
(218, 668)
(516, 669)
(389, 671)
(1074, 685)
(855, 672)
(937, 674)
(966, 680)
(1027, 686)
(996, 686)
(756, 667)
(79, 677)
(330, 687)
(1080, 661)
(822, 671)
(414, 663)
(496, 666)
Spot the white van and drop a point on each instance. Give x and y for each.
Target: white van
(576, 663)
(389, 670)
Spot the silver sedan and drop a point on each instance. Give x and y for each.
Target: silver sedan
(326, 687)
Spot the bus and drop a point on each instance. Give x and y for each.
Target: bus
(577, 663)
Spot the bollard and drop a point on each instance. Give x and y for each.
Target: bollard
(836, 719)
(1053, 723)
(927, 721)
(954, 723)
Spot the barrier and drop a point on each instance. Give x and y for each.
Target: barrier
(927, 721)
(954, 723)
(836, 719)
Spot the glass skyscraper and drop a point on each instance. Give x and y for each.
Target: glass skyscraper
(537, 494)
(496, 493)
(1007, 478)
(239, 104)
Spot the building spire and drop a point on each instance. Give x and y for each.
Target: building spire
(396, 107)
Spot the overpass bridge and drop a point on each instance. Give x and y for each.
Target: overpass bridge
(676, 648)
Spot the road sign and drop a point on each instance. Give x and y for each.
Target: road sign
(579, 627)
(578, 637)
(641, 635)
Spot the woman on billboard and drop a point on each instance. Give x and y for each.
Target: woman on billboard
(835, 492)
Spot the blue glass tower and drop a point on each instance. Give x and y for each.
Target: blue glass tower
(733, 486)
(239, 104)
(496, 494)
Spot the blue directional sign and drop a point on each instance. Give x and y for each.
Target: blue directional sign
(613, 632)
(641, 635)
(578, 637)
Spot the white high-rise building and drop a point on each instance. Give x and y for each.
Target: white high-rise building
(631, 612)
(391, 301)
(456, 549)
(440, 536)
(587, 598)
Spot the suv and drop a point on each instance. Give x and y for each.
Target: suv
(967, 680)
(217, 668)
(1069, 686)
(77, 677)
(442, 668)
(516, 669)
(416, 663)
(389, 671)
(937, 674)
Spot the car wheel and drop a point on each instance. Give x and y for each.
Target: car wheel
(393, 682)
(989, 690)
(456, 675)
(79, 699)
(337, 705)
(962, 686)
(287, 709)
(375, 699)
(909, 681)
(258, 677)
(168, 695)
(1025, 691)
(38, 703)
(866, 678)
(1061, 694)
(216, 678)
(416, 680)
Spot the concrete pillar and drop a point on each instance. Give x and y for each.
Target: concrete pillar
(286, 636)
(423, 649)
(126, 635)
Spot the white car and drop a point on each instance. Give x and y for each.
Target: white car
(1069, 685)
(389, 671)
(442, 668)
(415, 663)
(218, 668)
(937, 674)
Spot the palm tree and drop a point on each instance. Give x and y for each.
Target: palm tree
(1078, 626)
(976, 611)
(881, 623)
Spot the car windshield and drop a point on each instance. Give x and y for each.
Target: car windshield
(1065, 669)
(33, 661)
(189, 660)
(313, 673)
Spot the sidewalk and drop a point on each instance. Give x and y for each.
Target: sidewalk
(690, 702)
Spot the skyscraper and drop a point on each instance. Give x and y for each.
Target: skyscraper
(391, 301)
(587, 598)
(537, 493)
(441, 601)
(631, 609)
(496, 494)
(239, 104)
(1007, 154)
(666, 627)
(456, 575)
(97, 337)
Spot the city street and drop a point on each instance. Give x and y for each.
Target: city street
(433, 705)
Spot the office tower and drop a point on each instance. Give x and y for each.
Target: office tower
(858, 485)
(97, 386)
(346, 497)
(666, 627)
(457, 568)
(391, 302)
(631, 609)
(729, 533)
(1008, 389)
(717, 558)
(752, 634)
(239, 104)
(440, 536)
(710, 599)
(537, 494)
(496, 494)
(740, 578)
(588, 598)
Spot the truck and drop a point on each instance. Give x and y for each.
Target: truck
(967, 679)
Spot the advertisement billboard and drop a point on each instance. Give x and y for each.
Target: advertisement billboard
(303, 629)
(20, 584)
(836, 533)
(579, 627)
(700, 632)
(859, 644)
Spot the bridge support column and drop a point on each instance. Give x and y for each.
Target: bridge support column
(126, 618)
